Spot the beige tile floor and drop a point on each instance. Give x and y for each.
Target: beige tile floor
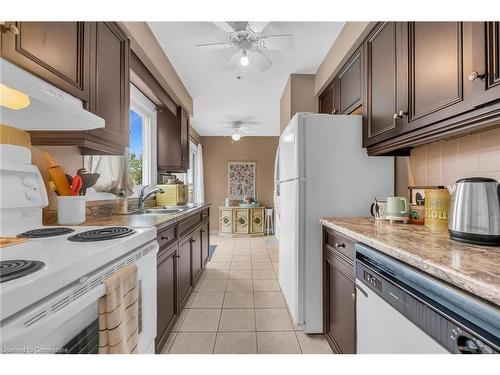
(237, 306)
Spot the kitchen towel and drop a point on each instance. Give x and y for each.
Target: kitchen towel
(119, 313)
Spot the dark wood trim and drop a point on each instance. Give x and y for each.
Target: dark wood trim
(466, 123)
(148, 85)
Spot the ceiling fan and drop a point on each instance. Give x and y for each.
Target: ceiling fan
(240, 129)
(248, 42)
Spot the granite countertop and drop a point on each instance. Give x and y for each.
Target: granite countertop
(475, 269)
(143, 220)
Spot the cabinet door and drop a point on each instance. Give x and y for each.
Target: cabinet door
(257, 220)
(165, 295)
(328, 100)
(436, 62)
(57, 52)
(225, 220)
(484, 75)
(110, 92)
(184, 273)
(349, 84)
(205, 241)
(240, 220)
(381, 76)
(340, 307)
(169, 141)
(196, 258)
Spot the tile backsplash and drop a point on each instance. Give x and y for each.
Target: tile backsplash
(444, 162)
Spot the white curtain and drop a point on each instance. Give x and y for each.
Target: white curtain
(115, 177)
(199, 187)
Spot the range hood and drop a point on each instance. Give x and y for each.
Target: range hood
(29, 103)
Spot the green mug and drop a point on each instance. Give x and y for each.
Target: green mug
(397, 206)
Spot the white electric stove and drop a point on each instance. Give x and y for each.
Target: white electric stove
(50, 284)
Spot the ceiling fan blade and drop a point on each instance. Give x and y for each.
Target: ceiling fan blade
(262, 61)
(224, 26)
(214, 45)
(276, 42)
(232, 62)
(256, 27)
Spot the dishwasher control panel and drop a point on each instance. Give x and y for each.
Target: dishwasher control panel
(373, 280)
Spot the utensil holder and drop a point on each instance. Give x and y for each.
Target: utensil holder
(70, 210)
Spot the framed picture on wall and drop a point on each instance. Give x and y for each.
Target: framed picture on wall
(241, 179)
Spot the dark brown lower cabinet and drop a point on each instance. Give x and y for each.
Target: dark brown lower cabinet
(339, 301)
(205, 241)
(196, 261)
(182, 256)
(184, 272)
(166, 294)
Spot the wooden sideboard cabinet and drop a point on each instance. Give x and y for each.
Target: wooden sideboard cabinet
(237, 221)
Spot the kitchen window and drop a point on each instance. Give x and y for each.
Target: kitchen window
(142, 149)
(190, 176)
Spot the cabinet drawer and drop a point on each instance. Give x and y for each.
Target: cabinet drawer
(189, 223)
(340, 243)
(168, 236)
(340, 263)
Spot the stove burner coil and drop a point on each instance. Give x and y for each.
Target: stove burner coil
(46, 232)
(13, 269)
(102, 234)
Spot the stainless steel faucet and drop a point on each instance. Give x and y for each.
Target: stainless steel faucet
(142, 197)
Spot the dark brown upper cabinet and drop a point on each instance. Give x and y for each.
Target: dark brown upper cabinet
(349, 84)
(445, 83)
(57, 52)
(383, 77)
(327, 99)
(437, 69)
(108, 89)
(111, 85)
(485, 72)
(173, 140)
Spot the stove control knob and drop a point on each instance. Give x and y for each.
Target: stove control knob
(31, 195)
(28, 181)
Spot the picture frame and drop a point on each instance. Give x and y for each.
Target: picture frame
(241, 179)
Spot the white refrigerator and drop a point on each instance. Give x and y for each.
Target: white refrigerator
(323, 172)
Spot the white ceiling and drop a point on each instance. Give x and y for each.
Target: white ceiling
(217, 94)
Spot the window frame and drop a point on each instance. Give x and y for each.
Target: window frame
(143, 106)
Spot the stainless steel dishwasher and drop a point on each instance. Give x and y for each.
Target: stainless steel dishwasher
(402, 310)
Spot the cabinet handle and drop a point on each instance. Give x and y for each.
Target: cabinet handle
(165, 238)
(334, 112)
(353, 296)
(12, 28)
(203, 231)
(340, 245)
(192, 240)
(400, 114)
(177, 256)
(473, 75)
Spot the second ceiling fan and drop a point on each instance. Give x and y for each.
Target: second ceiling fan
(248, 42)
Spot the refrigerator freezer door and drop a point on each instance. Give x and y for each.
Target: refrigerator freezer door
(289, 246)
(289, 146)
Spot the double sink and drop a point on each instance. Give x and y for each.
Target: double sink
(163, 210)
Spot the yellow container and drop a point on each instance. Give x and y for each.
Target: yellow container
(173, 195)
(437, 204)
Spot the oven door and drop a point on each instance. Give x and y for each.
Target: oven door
(68, 321)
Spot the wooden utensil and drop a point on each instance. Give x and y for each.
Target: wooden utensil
(57, 175)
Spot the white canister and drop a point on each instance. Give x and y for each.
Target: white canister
(71, 210)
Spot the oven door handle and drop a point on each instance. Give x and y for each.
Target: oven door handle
(43, 327)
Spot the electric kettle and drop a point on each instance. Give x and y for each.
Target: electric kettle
(474, 215)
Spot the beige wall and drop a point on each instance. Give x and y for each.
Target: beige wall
(68, 157)
(442, 163)
(348, 40)
(145, 45)
(217, 151)
(298, 96)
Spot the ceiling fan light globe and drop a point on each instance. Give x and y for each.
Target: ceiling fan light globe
(244, 60)
(236, 137)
